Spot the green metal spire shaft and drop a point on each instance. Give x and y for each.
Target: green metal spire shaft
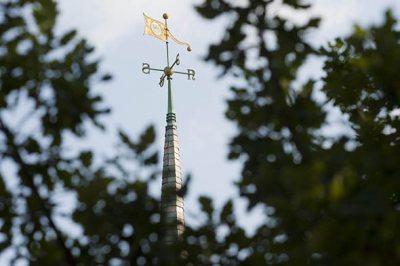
(170, 97)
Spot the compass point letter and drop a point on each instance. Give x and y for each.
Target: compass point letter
(146, 68)
(191, 74)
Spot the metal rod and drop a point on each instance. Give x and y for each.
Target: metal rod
(166, 42)
(167, 55)
(178, 72)
(173, 64)
(170, 100)
(156, 69)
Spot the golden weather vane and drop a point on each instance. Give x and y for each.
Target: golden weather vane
(160, 30)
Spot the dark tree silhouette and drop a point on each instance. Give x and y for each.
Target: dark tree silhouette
(330, 201)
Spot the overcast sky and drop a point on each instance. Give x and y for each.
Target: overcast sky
(115, 28)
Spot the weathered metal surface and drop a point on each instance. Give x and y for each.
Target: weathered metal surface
(172, 206)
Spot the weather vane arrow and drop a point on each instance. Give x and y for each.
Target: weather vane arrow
(160, 30)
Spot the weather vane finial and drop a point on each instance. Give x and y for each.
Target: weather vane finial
(160, 30)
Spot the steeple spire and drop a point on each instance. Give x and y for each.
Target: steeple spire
(172, 206)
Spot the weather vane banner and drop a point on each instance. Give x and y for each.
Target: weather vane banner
(160, 30)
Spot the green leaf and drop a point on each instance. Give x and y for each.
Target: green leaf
(152, 159)
(106, 77)
(146, 139)
(86, 158)
(227, 213)
(32, 146)
(207, 206)
(68, 37)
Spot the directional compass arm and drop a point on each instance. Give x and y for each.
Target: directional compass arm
(146, 68)
(168, 71)
(161, 83)
(191, 74)
(177, 61)
(156, 69)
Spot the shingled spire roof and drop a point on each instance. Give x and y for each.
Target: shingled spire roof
(172, 206)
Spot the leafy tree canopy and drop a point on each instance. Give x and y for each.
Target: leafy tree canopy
(333, 201)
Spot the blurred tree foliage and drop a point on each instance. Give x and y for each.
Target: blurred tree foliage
(330, 200)
(46, 94)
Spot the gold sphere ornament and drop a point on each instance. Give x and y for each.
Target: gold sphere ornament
(165, 16)
(189, 48)
(168, 71)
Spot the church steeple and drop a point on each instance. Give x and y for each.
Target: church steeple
(172, 206)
